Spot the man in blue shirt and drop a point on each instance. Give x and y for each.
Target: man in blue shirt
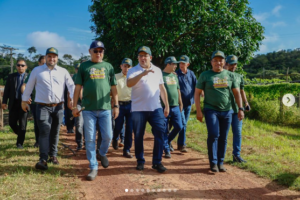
(187, 83)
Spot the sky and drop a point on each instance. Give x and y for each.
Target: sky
(65, 24)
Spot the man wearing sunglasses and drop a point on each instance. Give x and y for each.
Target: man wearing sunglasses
(49, 81)
(98, 79)
(12, 92)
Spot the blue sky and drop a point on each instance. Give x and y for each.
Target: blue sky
(65, 24)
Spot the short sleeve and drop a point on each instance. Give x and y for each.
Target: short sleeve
(161, 80)
(79, 76)
(242, 83)
(178, 86)
(234, 81)
(130, 73)
(201, 82)
(113, 80)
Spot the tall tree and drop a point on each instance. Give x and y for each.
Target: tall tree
(68, 58)
(31, 50)
(175, 27)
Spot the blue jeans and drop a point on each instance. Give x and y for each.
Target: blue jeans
(99, 140)
(185, 114)
(156, 119)
(36, 128)
(176, 121)
(236, 126)
(48, 120)
(79, 127)
(218, 124)
(103, 118)
(125, 113)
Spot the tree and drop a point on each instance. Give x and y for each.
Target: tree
(31, 50)
(20, 55)
(68, 58)
(195, 28)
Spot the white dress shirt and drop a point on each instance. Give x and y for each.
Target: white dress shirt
(49, 84)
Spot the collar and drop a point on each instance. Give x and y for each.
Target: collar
(46, 67)
(180, 72)
(151, 66)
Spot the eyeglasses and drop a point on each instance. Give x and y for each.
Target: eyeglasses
(19, 65)
(95, 51)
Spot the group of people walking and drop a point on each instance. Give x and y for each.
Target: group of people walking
(137, 95)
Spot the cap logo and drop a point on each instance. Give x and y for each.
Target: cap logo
(182, 58)
(143, 49)
(173, 59)
(233, 58)
(99, 43)
(218, 54)
(127, 60)
(52, 49)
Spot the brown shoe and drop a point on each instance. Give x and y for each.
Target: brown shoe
(53, 160)
(127, 154)
(183, 149)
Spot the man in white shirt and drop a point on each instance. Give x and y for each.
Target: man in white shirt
(147, 87)
(49, 81)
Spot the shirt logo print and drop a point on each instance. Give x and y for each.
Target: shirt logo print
(220, 83)
(171, 81)
(97, 73)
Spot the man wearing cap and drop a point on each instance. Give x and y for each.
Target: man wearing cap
(124, 96)
(187, 82)
(236, 124)
(147, 87)
(175, 104)
(217, 84)
(98, 80)
(49, 81)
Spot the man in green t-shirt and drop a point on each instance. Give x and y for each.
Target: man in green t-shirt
(98, 79)
(236, 124)
(217, 84)
(175, 104)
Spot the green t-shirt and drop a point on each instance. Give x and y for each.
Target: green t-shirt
(217, 87)
(96, 79)
(240, 82)
(33, 91)
(74, 78)
(172, 87)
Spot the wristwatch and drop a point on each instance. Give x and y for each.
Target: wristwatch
(116, 106)
(242, 109)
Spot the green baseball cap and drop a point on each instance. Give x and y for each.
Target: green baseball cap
(145, 49)
(184, 59)
(127, 61)
(231, 59)
(171, 59)
(76, 66)
(52, 50)
(218, 54)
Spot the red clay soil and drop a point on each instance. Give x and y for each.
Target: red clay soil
(187, 177)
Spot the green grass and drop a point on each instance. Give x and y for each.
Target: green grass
(271, 151)
(20, 180)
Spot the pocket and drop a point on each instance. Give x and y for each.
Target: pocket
(42, 113)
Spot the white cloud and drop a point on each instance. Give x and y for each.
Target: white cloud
(267, 42)
(261, 17)
(79, 30)
(44, 40)
(276, 10)
(280, 23)
(270, 38)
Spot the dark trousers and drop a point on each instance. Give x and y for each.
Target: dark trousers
(36, 128)
(18, 121)
(49, 120)
(68, 114)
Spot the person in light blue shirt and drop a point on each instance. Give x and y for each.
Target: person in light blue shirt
(187, 82)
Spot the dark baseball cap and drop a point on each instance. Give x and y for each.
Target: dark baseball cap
(170, 59)
(145, 49)
(97, 44)
(52, 50)
(231, 59)
(218, 54)
(184, 59)
(76, 66)
(127, 61)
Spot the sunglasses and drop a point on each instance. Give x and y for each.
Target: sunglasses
(95, 51)
(19, 65)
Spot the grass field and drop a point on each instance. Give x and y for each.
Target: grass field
(20, 180)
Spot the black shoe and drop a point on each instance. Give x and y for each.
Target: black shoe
(238, 159)
(92, 175)
(42, 165)
(221, 168)
(36, 145)
(171, 147)
(140, 166)
(70, 131)
(115, 144)
(53, 159)
(104, 161)
(79, 147)
(121, 144)
(127, 154)
(214, 168)
(19, 146)
(167, 155)
(160, 168)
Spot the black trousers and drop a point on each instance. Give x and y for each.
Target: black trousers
(68, 114)
(18, 121)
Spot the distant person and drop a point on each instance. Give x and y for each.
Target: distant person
(49, 81)
(12, 93)
(41, 61)
(97, 78)
(187, 82)
(217, 85)
(124, 96)
(236, 124)
(175, 104)
(147, 87)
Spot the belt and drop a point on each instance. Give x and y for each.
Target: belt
(122, 103)
(50, 104)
